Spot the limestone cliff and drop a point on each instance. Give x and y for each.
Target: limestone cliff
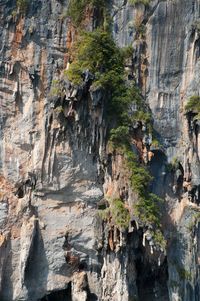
(57, 169)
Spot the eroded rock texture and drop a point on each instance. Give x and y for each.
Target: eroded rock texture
(55, 166)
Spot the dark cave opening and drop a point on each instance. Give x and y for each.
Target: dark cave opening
(66, 295)
(157, 169)
(61, 295)
(153, 280)
(20, 192)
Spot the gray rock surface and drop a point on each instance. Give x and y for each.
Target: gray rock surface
(54, 167)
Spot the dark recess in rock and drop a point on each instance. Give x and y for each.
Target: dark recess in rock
(62, 295)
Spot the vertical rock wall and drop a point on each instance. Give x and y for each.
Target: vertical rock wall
(54, 166)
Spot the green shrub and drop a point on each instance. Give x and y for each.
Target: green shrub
(148, 211)
(140, 32)
(22, 6)
(142, 116)
(159, 239)
(119, 135)
(127, 52)
(14, 13)
(56, 88)
(194, 220)
(134, 2)
(104, 213)
(117, 212)
(97, 52)
(173, 165)
(120, 215)
(148, 207)
(77, 8)
(193, 106)
(155, 143)
(140, 176)
(184, 274)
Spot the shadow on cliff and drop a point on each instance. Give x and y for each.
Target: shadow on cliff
(36, 271)
(81, 248)
(6, 290)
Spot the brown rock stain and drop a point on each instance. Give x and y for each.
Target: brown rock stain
(17, 37)
(2, 240)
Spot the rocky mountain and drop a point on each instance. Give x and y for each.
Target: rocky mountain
(99, 150)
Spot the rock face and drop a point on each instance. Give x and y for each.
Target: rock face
(55, 166)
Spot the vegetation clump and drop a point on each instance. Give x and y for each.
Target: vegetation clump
(194, 220)
(97, 53)
(22, 5)
(184, 274)
(134, 2)
(56, 88)
(139, 26)
(174, 165)
(148, 207)
(117, 212)
(77, 9)
(193, 106)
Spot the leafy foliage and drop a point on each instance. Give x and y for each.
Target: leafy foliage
(22, 5)
(193, 106)
(97, 52)
(56, 88)
(119, 135)
(104, 213)
(195, 218)
(76, 9)
(148, 206)
(119, 213)
(145, 2)
(183, 273)
(155, 143)
(159, 238)
(173, 165)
